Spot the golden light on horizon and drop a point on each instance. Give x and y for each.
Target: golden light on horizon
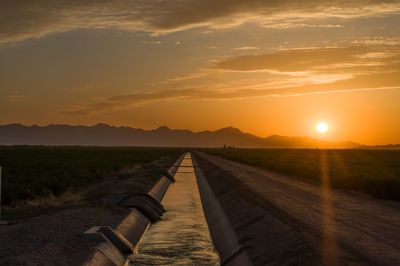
(187, 66)
(322, 127)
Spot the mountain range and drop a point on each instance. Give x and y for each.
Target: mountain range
(106, 135)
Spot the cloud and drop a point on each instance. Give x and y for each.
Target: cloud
(122, 101)
(22, 19)
(293, 72)
(246, 48)
(235, 91)
(294, 59)
(351, 60)
(192, 76)
(17, 98)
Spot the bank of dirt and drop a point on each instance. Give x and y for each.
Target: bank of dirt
(281, 221)
(55, 237)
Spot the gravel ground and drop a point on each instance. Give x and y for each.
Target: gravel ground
(282, 221)
(56, 237)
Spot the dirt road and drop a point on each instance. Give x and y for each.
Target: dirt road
(281, 220)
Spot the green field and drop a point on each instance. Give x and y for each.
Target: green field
(29, 172)
(376, 172)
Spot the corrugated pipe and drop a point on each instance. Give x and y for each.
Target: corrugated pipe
(113, 246)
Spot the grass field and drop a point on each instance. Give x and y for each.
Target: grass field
(29, 172)
(376, 172)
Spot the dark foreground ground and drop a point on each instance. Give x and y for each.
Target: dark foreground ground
(284, 221)
(54, 235)
(279, 220)
(39, 178)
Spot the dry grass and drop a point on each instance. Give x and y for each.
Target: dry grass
(43, 203)
(31, 173)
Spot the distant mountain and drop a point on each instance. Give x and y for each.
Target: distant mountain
(105, 135)
(307, 142)
(385, 147)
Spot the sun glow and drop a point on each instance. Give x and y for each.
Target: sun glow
(322, 127)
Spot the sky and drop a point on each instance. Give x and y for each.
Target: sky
(266, 67)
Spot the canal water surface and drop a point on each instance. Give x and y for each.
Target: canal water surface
(182, 236)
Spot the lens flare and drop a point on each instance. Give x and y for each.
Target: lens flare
(322, 127)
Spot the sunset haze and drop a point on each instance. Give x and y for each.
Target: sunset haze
(266, 67)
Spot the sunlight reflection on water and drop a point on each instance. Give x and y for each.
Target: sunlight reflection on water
(182, 237)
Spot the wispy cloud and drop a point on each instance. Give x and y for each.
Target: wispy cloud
(192, 76)
(236, 90)
(24, 19)
(284, 73)
(246, 48)
(351, 60)
(294, 59)
(16, 98)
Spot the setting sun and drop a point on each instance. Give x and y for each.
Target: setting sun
(322, 127)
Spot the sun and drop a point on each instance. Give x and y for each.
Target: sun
(322, 127)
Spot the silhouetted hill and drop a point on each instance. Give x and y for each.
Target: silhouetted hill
(307, 142)
(385, 147)
(105, 135)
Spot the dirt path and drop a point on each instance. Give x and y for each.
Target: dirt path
(331, 226)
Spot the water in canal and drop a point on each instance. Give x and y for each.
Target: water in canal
(182, 237)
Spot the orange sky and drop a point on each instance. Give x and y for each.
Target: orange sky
(266, 68)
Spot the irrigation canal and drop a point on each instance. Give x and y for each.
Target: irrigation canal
(182, 237)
